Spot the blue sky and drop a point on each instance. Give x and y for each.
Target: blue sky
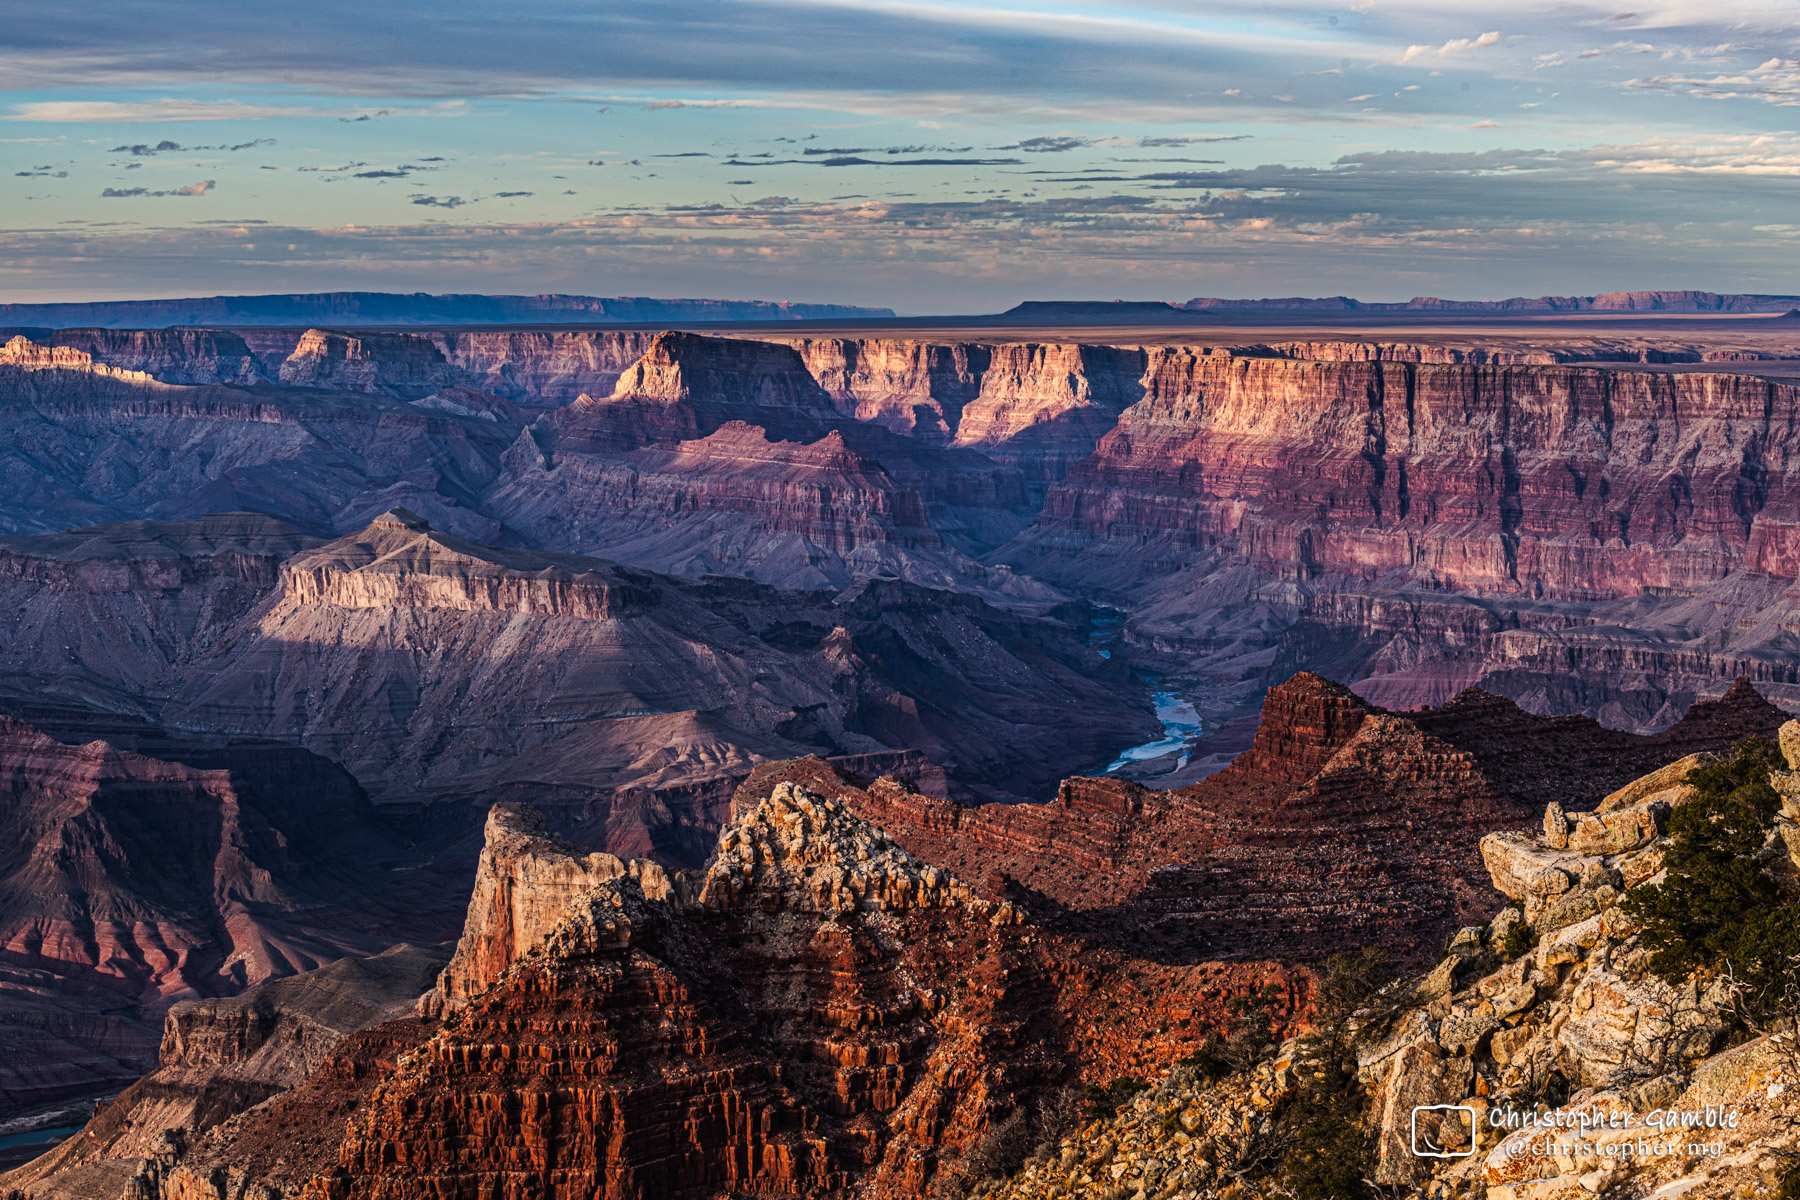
(934, 157)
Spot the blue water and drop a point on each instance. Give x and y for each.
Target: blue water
(38, 1135)
(1181, 726)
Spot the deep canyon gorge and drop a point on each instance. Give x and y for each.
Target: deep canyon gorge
(808, 660)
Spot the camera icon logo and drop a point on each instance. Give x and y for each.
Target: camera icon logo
(1437, 1127)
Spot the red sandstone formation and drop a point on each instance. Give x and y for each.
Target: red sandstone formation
(722, 456)
(1340, 826)
(222, 1057)
(1441, 526)
(819, 1011)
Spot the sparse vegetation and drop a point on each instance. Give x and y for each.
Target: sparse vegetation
(1718, 910)
(1325, 1154)
(1103, 1102)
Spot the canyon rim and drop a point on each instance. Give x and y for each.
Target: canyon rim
(1012, 601)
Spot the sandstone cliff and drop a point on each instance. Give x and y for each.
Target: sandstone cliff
(1340, 826)
(1434, 527)
(823, 1011)
(396, 364)
(544, 369)
(190, 356)
(715, 455)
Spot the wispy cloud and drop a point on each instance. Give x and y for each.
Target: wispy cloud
(138, 112)
(1453, 46)
(192, 189)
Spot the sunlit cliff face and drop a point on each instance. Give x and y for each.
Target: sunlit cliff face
(930, 157)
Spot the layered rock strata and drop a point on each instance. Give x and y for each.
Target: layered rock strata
(86, 449)
(130, 883)
(714, 455)
(541, 368)
(396, 364)
(1616, 548)
(1584, 1072)
(219, 1058)
(436, 667)
(818, 1011)
(1341, 825)
(191, 356)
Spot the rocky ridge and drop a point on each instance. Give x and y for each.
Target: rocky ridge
(1341, 825)
(223, 1057)
(1574, 1026)
(394, 363)
(818, 1010)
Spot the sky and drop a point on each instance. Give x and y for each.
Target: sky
(933, 157)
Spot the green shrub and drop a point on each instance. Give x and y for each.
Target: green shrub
(1519, 940)
(1717, 909)
(1103, 1102)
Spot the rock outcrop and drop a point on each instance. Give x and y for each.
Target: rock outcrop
(437, 667)
(819, 1011)
(395, 364)
(191, 356)
(525, 883)
(715, 455)
(1251, 505)
(85, 448)
(544, 369)
(1341, 825)
(1578, 1071)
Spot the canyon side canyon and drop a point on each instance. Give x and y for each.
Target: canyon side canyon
(529, 759)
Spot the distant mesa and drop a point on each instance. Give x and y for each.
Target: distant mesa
(1105, 311)
(418, 308)
(1603, 302)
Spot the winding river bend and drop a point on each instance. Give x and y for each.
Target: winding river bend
(1181, 726)
(1181, 723)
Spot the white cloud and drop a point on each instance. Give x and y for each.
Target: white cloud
(1453, 46)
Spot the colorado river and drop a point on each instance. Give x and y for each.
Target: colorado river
(1181, 725)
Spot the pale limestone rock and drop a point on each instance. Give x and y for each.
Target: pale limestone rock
(1619, 831)
(1787, 786)
(1569, 944)
(1463, 1029)
(1789, 833)
(799, 850)
(1520, 867)
(1567, 909)
(1556, 827)
(1503, 923)
(1416, 1075)
(1621, 1027)
(1659, 783)
(1741, 1070)
(1789, 738)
